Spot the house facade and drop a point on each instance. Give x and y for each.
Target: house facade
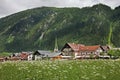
(89, 51)
(72, 50)
(2, 59)
(41, 54)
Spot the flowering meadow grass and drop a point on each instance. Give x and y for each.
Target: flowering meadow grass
(61, 70)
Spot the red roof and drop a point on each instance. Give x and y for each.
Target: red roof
(14, 58)
(81, 47)
(1, 57)
(24, 56)
(75, 47)
(89, 48)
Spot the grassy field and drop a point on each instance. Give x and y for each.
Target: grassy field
(61, 70)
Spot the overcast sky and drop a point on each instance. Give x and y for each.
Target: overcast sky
(8, 7)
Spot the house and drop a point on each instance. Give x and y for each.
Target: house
(41, 54)
(2, 59)
(106, 48)
(69, 50)
(15, 58)
(30, 57)
(55, 55)
(26, 56)
(72, 50)
(90, 51)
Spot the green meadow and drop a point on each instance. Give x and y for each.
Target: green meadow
(60, 70)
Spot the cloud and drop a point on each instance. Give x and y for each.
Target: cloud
(8, 7)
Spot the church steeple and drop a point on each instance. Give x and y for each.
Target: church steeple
(56, 46)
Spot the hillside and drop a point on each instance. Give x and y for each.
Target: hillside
(37, 28)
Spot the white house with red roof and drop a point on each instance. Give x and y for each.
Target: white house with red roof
(72, 50)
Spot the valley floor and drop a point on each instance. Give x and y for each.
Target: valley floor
(61, 70)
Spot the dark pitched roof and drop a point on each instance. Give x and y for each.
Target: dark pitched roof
(46, 53)
(54, 54)
(41, 52)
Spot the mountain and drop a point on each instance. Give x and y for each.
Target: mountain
(37, 28)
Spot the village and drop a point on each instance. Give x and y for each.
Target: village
(70, 51)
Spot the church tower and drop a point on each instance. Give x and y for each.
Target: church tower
(56, 46)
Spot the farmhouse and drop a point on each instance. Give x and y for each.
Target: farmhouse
(2, 59)
(24, 56)
(20, 56)
(15, 58)
(105, 48)
(72, 50)
(55, 55)
(41, 54)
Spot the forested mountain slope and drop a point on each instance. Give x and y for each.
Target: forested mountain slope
(37, 28)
